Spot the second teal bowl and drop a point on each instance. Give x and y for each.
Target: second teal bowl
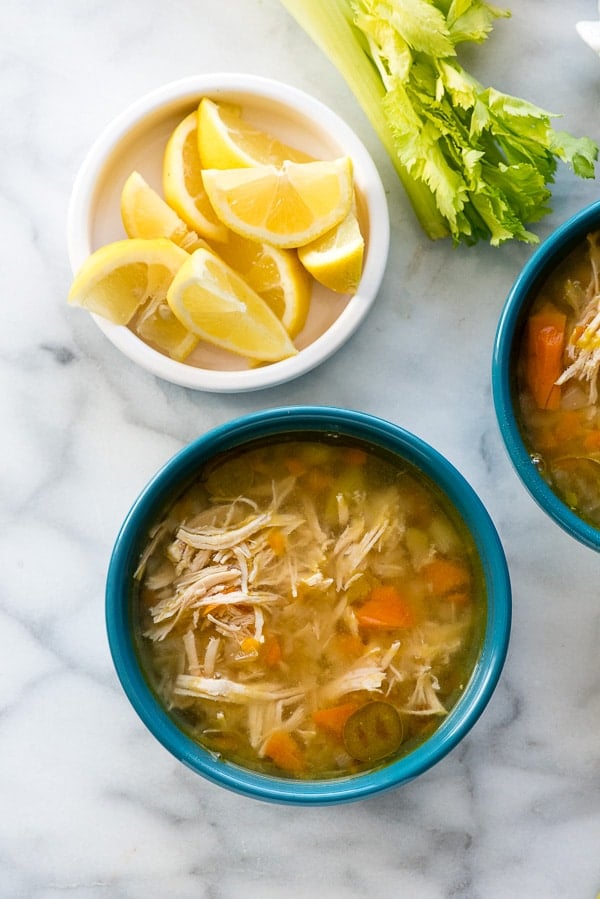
(504, 368)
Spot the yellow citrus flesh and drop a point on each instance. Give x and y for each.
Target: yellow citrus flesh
(212, 301)
(336, 258)
(157, 326)
(183, 181)
(227, 141)
(286, 207)
(145, 214)
(121, 277)
(276, 275)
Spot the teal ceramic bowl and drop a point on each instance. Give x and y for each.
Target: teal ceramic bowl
(316, 421)
(504, 375)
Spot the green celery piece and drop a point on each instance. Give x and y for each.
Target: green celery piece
(394, 56)
(452, 80)
(503, 197)
(418, 22)
(531, 128)
(580, 153)
(501, 224)
(422, 154)
(470, 20)
(522, 131)
(430, 119)
(523, 187)
(439, 151)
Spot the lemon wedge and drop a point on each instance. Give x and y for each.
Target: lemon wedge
(157, 326)
(336, 259)
(183, 185)
(276, 275)
(287, 206)
(227, 141)
(126, 282)
(120, 277)
(213, 302)
(145, 214)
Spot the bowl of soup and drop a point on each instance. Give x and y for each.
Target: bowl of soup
(308, 605)
(144, 179)
(545, 376)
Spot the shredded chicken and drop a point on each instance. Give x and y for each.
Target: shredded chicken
(230, 691)
(365, 675)
(189, 642)
(210, 656)
(156, 536)
(583, 346)
(424, 699)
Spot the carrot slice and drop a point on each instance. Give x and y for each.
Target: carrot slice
(271, 652)
(460, 598)
(276, 541)
(444, 576)
(591, 442)
(569, 426)
(355, 456)
(545, 345)
(333, 719)
(295, 466)
(319, 480)
(385, 608)
(285, 752)
(349, 645)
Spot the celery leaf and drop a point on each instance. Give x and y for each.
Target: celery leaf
(475, 163)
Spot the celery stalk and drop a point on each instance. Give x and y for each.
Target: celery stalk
(329, 23)
(474, 162)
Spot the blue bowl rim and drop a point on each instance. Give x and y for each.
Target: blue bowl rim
(328, 419)
(542, 261)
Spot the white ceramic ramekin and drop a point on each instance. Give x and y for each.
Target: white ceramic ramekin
(136, 140)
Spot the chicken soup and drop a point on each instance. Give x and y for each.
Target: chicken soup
(559, 361)
(309, 608)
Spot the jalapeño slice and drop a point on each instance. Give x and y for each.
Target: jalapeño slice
(373, 732)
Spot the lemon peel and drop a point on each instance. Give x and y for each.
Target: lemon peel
(183, 184)
(226, 140)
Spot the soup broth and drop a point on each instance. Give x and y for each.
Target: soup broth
(558, 365)
(309, 609)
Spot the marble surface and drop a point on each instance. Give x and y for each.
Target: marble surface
(90, 805)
